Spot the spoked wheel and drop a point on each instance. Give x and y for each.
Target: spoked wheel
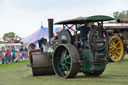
(65, 61)
(116, 49)
(93, 73)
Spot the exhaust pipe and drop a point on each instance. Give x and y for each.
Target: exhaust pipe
(122, 20)
(50, 28)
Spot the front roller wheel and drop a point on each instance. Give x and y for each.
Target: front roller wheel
(65, 61)
(116, 49)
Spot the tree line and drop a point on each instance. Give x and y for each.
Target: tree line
(11, 37)
(121, 15)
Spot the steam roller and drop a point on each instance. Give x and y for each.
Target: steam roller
(118, 40)
(78, 47)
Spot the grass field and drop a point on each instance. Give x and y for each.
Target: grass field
(20, 74)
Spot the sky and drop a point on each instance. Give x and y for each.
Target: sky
(25, 16)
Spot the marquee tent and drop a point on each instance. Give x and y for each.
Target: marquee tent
(41, 32)
(34, 37)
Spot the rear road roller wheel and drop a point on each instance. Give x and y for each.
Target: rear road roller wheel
(116, 49)
(65, 61)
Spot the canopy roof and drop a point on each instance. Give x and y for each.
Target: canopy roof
(81, 20)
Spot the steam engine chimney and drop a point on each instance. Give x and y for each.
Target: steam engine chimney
(50, 28)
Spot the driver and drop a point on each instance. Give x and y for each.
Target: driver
(100, 26)
(83, 34)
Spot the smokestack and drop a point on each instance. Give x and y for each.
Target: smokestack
(50, 28)
(122, 20)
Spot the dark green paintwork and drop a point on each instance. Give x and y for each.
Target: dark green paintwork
(82, 20)
(99, 18)
(65, 62)
(87, 56)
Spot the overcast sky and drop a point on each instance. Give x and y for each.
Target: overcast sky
(25, 16)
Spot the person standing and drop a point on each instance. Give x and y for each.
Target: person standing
(7, 55)
(13, 51)
(21, 52)
(26, 52)
(3, 55)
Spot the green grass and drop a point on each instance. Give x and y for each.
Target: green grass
(20, 74)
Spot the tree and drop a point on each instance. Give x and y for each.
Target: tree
(9, 36)
(121, 15)
(1, 42)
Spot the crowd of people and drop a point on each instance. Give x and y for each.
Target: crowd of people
(11, 54)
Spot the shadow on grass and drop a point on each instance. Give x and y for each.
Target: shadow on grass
(105, 76)
(30, 76)
(124, 60)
